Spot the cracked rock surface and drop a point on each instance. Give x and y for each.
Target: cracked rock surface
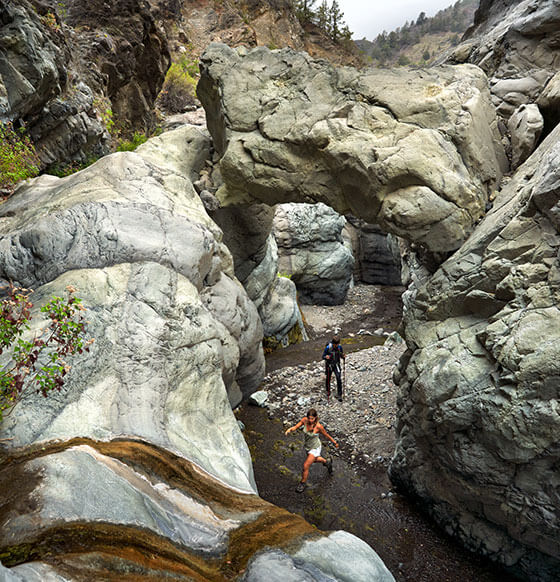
(290, 128)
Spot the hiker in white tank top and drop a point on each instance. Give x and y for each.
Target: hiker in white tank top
(312, 428)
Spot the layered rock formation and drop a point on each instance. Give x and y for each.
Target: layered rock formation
(70, 71)
(291, 128)
(517, 44)
(139, 465)
(479, 412)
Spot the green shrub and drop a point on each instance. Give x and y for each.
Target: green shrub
(179, 87)
(66, 169)
(130, 145)
(18, 158)
(38, 362)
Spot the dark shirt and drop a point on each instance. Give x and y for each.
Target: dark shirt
(336, 352)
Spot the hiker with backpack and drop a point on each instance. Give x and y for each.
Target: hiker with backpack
(333, 355)
(311, 431)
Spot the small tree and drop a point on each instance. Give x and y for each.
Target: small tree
(39, 362)
(336, 22)
(323, 16)
(179, 87)
(304, 10)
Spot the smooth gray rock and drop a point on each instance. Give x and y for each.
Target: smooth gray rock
(176, 334)
(31, 572)
(525, 126)
(478, 410)
(258, 398)
(280, 312)
(277, 566)
(356, 561)
(291, 128)
(311, 251)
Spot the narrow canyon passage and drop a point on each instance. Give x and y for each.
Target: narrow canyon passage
(358, 497)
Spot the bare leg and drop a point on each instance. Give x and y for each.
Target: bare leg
(308, 462)
(321, 460)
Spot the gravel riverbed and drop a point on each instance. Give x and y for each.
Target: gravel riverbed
(364, 421)
(358, 497)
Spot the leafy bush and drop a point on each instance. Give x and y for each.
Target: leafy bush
(18, 158)
(179, 87)
(38, 362)
(130, 145)
(61, 170)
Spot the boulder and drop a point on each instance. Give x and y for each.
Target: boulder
(247, 233)
(525, 126)
(289, 128)
(478, 410)
(312, 253)
(312, 563)
(281, 316)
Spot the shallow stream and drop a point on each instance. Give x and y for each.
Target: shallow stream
(358, 497)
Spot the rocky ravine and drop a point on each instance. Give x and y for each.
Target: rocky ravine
(478, 404)
(139, 464)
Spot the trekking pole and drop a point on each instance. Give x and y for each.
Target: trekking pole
(344, 374)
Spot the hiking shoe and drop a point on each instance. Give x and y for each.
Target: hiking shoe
(329, 466)
(300, 488)
(339, 398)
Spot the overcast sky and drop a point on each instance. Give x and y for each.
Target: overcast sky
(370, 17)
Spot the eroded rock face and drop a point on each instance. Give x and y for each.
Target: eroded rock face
(131, 233)
(479, 409)
(291, 128)
(68, 72)
(517, 45)
(311, 251)
(139, 465)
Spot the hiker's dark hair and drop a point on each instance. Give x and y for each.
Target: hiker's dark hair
(312, 412)
(336, 339)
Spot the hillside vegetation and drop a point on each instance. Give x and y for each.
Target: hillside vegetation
(420, 42)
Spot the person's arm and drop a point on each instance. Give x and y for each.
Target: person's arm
(341, 352)
(295, 427)
(325, 433)
(326, 355)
